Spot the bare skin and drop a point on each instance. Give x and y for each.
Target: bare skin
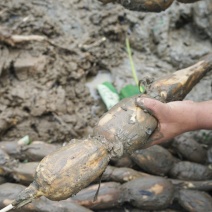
(175, 118)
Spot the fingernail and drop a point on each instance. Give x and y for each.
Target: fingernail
(140, 101)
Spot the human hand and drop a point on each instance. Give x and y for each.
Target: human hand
(147, 5)
(174, 118)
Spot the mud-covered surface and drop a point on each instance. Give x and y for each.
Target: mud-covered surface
(43, 86)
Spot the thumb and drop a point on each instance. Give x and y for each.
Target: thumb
(154, 107)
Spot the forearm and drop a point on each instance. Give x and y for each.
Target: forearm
(204, 115)
(191, 115)
(175, 118)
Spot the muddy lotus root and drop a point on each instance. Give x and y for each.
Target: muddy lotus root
(195, 201)
(154, 160)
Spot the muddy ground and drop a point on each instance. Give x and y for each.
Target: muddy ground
(43, 85)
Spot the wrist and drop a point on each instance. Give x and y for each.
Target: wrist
(185, 116)
(204, 115)
(197, 115)
(191, 119)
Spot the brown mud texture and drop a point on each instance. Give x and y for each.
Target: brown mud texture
(43, 82)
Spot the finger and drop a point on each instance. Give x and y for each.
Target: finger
(154, 107)
(156, 138)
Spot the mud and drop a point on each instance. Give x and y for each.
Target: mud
(43, 86)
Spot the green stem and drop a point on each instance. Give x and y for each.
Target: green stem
(141, 87)
(131, 61)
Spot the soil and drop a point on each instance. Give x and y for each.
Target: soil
(43, 86)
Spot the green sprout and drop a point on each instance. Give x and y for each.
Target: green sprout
(134, 74)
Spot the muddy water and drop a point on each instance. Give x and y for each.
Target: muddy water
(44, 91)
